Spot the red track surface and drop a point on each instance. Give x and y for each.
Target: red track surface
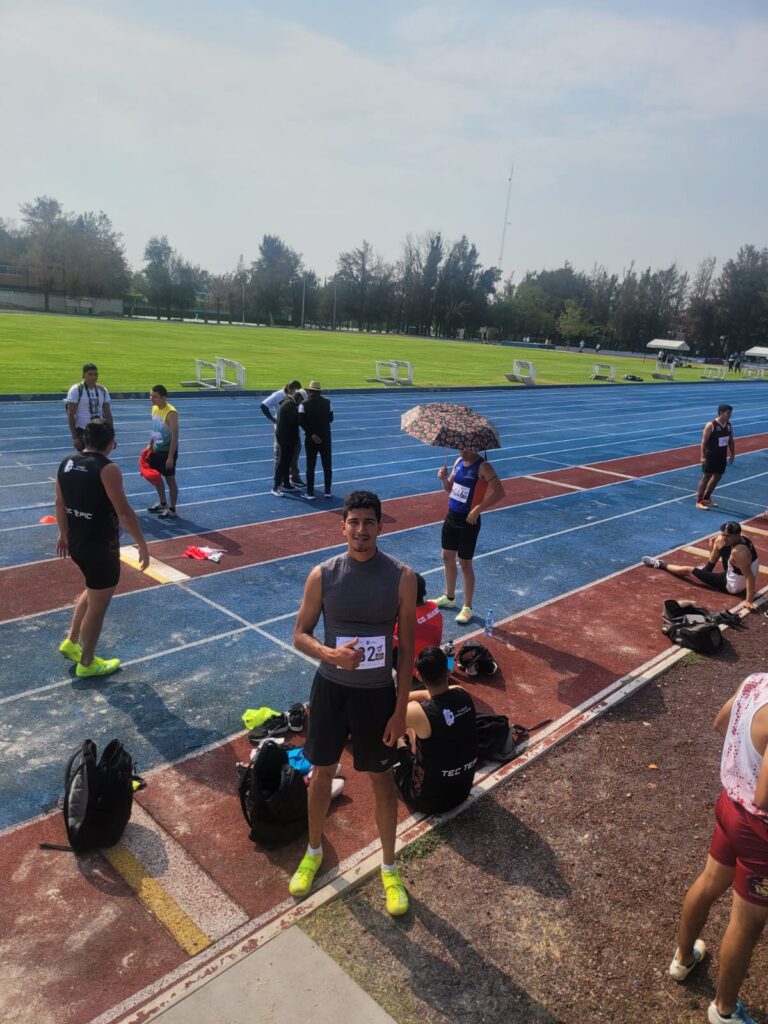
(83, 943)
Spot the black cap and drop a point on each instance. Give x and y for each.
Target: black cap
(730, 527)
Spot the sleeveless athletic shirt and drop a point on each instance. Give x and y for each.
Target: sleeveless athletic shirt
(468, 489)
(734, 576)
(740, 764)
(360, 599)
(717, 443)
(447, 759)
(92, 523)
(161, 432)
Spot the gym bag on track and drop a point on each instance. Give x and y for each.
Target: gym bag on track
(273, 796)
(98, 795)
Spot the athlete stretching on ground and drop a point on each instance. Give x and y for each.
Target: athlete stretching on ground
(740, 563)
(360, 594)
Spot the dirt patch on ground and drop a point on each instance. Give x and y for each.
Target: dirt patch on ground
(556, 897)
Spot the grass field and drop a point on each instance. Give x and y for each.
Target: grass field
(45, 354)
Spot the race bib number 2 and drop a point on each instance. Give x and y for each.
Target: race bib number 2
(374, 650)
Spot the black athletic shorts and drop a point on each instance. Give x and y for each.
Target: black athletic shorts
(338, 712)
(714, 464)
(460, 536)
(715, 580)
(157, 460)
(101, 567)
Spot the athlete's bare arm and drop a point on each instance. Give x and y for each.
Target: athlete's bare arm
(406, 627)
(112, 479)
(760, 740)
(740, 558)
(347, 657)
(493, 495)
(62, 544)
(704, 438)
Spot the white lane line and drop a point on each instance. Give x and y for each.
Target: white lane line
(610, 472)
(553, 483)
(191, 888)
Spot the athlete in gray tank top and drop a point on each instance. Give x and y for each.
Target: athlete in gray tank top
(360, 599)
(360, 594)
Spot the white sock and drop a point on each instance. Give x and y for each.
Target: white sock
(314, 851)
(389, 867)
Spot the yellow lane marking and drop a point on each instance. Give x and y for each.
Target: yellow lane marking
(156, 569)
(754, 529)
(181, 927)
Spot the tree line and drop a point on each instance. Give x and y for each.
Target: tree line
(436, 288)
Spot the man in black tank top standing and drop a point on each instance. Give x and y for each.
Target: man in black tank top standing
(90, 502)
(438, 776)
(361, 594)
(717, 448)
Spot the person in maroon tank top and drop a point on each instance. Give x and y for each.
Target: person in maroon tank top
(738, 853)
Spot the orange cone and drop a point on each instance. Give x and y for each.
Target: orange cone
(48, 519)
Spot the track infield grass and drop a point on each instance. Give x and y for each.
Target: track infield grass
(45, 354)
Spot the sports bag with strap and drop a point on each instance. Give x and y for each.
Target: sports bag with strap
(476, 660)
(691, 626)
(98, 795)
(273, 796)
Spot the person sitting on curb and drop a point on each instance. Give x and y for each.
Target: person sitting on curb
(740, 563)
(438, 775)
(738, 854)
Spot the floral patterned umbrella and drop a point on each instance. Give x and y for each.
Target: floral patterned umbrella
(450, 426)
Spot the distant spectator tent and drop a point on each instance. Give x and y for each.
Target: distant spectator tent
(759, 351)
(668, 345)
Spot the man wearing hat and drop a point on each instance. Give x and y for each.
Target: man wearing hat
(315, 419)
(740, 564)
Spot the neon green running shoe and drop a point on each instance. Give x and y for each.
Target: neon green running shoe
(445, 602)
(70, 650)
(464, 616)
(98, 667)
(394, 890)
(304, 876)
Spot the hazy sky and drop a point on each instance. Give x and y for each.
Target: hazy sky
(637, 129)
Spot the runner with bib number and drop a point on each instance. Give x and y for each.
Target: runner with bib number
(474, 487)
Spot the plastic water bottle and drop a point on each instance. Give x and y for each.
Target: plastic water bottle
(489, 623)
(449, 650)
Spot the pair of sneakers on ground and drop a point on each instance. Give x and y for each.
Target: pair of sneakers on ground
(680, 971)
(163, 511)
(303, 879)
(464, 616)
(98, 667)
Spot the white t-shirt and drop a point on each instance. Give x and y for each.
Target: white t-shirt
(272, 402)
(90, 403)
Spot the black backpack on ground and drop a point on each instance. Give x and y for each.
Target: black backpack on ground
(691, 626)
(273, 796)
(98, 795)
(476, 660)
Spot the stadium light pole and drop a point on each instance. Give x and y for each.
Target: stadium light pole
(242, 282)
(334, 302)
(303, 296)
